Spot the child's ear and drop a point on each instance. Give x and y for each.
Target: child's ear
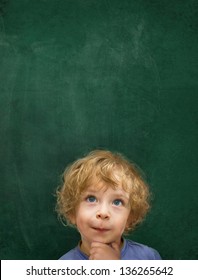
(128, 223)
(72, 218)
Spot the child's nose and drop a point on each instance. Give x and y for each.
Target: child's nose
(103, 213)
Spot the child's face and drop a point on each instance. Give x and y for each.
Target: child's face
(102, 214)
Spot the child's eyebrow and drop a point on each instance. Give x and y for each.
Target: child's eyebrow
(117, 193)
(89, 192)
(121, 195)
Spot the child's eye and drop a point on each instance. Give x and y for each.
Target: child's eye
(118, 202)
(91, 198)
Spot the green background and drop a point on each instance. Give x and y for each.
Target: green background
(76, 75)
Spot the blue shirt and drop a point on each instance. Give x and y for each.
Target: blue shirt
(130, 251)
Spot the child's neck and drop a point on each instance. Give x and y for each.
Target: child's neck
(84, 247)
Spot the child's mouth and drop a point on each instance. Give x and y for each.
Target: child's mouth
(101, 229)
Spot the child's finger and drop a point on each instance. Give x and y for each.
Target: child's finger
(95, 244)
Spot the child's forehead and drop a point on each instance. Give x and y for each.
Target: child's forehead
(96, 184)
(106, 189)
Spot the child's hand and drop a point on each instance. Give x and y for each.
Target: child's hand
(102, 251)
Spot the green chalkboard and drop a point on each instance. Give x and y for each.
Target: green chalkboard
(79, 75)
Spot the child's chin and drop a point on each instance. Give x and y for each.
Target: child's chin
(102, 240)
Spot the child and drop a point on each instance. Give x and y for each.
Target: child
(104, 196)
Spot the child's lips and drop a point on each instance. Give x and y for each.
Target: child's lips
(99, 229)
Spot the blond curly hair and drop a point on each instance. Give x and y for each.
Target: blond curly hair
(101, 165)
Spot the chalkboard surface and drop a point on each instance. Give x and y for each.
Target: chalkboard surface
(79, 75)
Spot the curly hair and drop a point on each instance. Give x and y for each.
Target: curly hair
(101, 165)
